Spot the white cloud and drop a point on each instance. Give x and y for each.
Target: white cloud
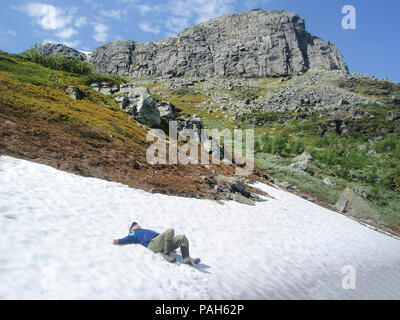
(144, 26)
(180, 8)
(100, 32)
(80, 22)
(176, 24)
(47, 16)
(208, 9)
(66, 33)
(113, 14)
(94, 4)
(185, 13)
(10, 33)
(143, 9)
(71, 44)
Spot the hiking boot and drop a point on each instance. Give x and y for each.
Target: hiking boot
(167, 249)
(185, 255)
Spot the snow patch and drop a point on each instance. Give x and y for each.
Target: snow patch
(87, 53)
(56, 232)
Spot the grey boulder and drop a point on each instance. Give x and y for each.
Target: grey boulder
(302, 161)
(74, 93)
(138, 102)
(353, 205)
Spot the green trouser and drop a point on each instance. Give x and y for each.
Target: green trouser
(157, 243)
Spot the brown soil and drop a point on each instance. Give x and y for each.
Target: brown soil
(32, 138)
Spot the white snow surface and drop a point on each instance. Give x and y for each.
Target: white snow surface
(87, 53)
(56, 232)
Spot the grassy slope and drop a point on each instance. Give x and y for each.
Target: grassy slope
(33, 90)
(349, 159)
(90, 137)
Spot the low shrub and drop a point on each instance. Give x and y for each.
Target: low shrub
(57, 62)
(281, 144)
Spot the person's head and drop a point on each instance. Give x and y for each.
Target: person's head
(134, 226)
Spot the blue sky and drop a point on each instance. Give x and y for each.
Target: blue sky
(373, 47)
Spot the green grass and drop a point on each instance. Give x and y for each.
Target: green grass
(379, 89)
(28, 71)
(279, 168)
(34, 90)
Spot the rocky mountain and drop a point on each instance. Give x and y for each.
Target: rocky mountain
(257, 43)
(61, 49)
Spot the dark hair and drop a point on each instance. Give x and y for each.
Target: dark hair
(133, 224)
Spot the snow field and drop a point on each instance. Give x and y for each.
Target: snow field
(56, 232)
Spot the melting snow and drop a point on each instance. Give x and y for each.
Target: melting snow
(56, 232)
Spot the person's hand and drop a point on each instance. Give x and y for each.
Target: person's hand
(173, 251)
(115, 242)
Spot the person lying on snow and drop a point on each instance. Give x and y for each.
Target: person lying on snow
(165, 242)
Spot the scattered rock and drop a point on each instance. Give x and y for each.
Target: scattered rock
(307, 197)
(375, 138)
(166, 109)
(74, 93)
(329, 182)
(139, 102)
(136, 101)
(284, 185)
(356, 114)
(302, 161)
(137, 165)
(393, 116)
(10, 123)
(238, 197)
(353, 205)
(234, 184)
(362, 191)
(342, 102)
(232, 188)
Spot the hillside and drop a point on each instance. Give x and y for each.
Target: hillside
(319, 128)
(347, 123)
(91, 137)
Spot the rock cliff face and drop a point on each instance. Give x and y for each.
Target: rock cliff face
(256, 43)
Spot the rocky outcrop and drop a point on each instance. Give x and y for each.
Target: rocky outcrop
(257, 43)
(61, 49)
(316, 89)
(167, 110)
(313, 93)
(192, 124)
(393, 116)
(136, 101)
(232, 188)
(113, 58)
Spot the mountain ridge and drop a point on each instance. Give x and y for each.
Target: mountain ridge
(256, 43)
